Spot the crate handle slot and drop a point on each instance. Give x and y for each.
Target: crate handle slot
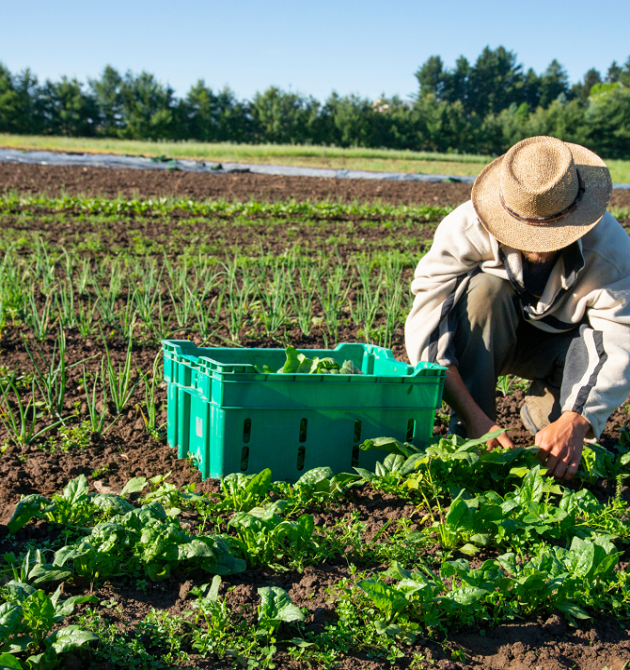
(244, 458)
(357, 431)
(301, 458)
(411, 430)
(247, 430)
(355, 456)
(303, 431)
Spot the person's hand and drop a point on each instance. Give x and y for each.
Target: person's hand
(481, 424)
(560, 444)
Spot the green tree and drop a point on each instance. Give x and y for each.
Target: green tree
(431, 76)
(554, 82)
(68, 110)
(348, 120)
(148, 109)
(108, 96)
(9, 103)
(624, 74)
(283, 117)
(217, 117)
(608, 122)
(20, 103)
(614, 72)
(495, 82)
(582, 89)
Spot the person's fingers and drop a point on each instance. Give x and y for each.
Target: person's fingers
(505, 441)
(551, 464)
(560, 469)
(492, 444)
(571, 470)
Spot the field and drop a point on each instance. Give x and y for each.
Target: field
(353, 158)
(450, 558)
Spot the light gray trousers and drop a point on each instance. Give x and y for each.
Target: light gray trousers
(493, 339)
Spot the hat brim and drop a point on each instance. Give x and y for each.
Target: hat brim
(557, 234)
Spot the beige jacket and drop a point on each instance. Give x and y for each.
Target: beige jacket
(589, 288)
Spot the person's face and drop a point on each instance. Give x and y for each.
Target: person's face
(535, 257)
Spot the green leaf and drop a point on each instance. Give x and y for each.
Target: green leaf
(71, 637)
(392, 463)
(349, 368)
(469, 444)
(389, 444)
(157, 571)
(43, 573)
(112, 504)
(314, 476)
(413, 463)
(573, 610)
(365, 474)
(388, 599)
(457, 511)
(133, 486)
(467, 595)
(276, 606)
(19, 590)
(25, 510)
(508, 563)
(10, 618)
(259, 484)
(303, 644)
(469, 549)
(43, 661)
(532, 486)
(213, 591)
(9, 661)
(292, 363)
(76, 490)
(65, 608)
(383, 628)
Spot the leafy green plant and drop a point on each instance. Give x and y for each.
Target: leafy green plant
(244, 492)
(146, 538)
(72, 508)
(27, 619)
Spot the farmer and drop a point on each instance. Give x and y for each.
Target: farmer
(532, 278)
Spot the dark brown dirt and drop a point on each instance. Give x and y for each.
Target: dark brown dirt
(146, 183)
(127, 451)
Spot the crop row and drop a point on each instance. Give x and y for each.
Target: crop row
(220, 300)
(521, 524)
(14, 202)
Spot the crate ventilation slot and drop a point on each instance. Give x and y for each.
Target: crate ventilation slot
(301, 458)
(303, 429)
(244, 458)
(411, 430)
(247, 430)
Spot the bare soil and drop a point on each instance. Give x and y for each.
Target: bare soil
(547, 643)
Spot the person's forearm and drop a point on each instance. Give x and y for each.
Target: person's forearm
(477, 422)
(458, 397)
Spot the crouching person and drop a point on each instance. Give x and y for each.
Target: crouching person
(532, 278)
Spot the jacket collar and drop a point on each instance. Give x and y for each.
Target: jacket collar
(562, 278)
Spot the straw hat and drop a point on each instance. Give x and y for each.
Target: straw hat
(542, 195)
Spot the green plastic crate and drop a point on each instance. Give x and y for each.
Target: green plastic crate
(232, 418)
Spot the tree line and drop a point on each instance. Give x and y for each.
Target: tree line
(480, 108)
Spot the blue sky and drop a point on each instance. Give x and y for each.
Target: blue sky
(364, 47)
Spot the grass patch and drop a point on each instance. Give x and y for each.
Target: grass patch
(354, 158)
(386, 160)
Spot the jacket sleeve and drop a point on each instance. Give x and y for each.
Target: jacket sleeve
(459, 247)
(597, 369)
